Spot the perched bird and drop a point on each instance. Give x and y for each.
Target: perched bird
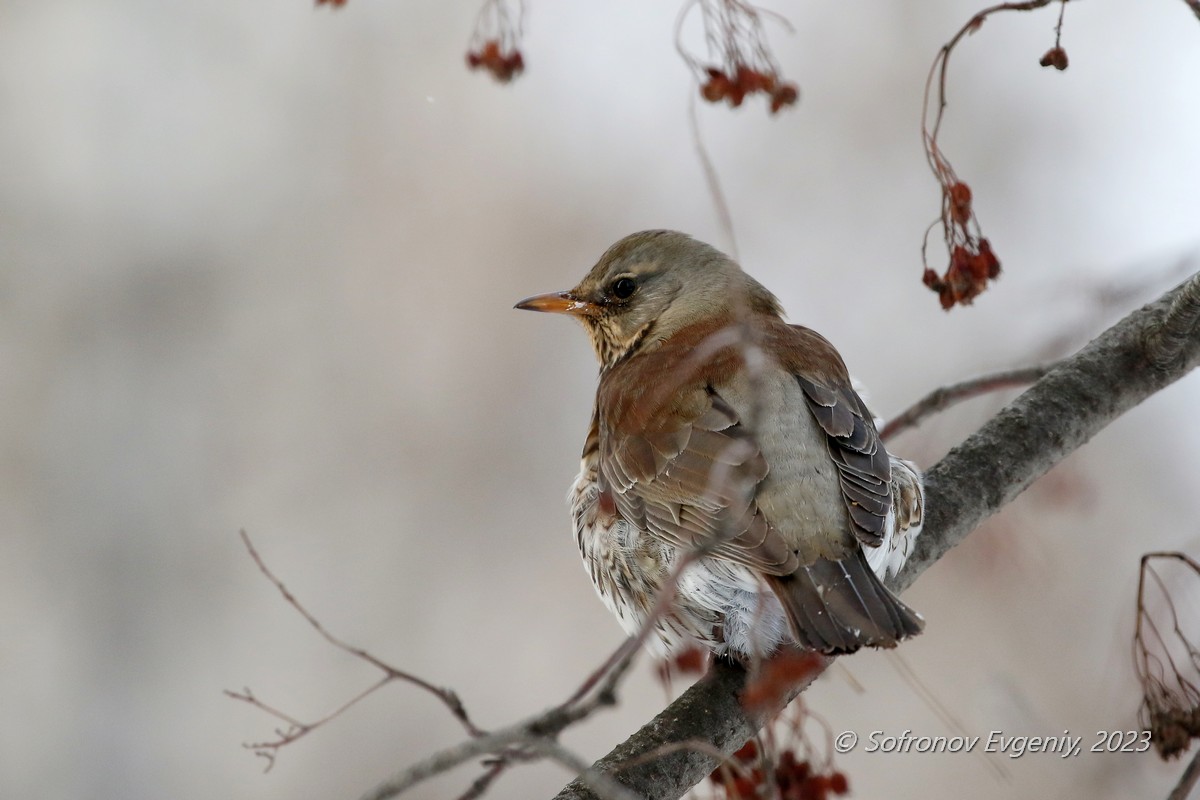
(721, 431)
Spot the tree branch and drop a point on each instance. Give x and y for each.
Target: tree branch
(1148, 350)
(1187, 781)
(943, 397)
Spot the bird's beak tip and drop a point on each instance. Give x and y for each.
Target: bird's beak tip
(555, 302)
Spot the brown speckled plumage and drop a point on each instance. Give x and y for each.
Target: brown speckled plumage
(716, 424)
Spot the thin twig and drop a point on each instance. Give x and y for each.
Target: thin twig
(1062, 10)
(536, 732)
(695, 745)
(480, 785)
(521, 734)
(941, 64)
(712, 179)
(942, 398)
(941, 710)
(604, 785)
(1187, 781)
(451, 757)
(297, 729)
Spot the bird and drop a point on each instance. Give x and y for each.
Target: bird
(730, 462)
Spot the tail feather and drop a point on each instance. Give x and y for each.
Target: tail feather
(840, 606)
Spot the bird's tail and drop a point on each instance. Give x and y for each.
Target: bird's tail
(840, 606)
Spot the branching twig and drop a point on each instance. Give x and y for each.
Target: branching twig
(480, 785)
(539, 733)
(942, 398)
(602, 784)
(534, 733)
(972, 261)
(941, 65)
(1170, 708)
(267, 749)
(297, 729)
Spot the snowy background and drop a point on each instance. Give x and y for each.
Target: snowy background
(257, 264)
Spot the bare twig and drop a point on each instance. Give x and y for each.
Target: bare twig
(444, 760)
(940, 66)
(691, 744)
(480, 785)
(297, 729)
(942, 398)
(1170, 708)
(601, 783)
(972, 260)
(1190, 776)
(942, 711)
(536, 734)
(267, 749)
(712, 179)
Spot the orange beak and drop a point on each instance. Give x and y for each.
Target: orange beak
(559, 303)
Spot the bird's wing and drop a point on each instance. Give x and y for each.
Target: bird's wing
(864, 466)
(686, 470)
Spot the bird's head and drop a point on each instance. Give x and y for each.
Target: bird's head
(650, 285)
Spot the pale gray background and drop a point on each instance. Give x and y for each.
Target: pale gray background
(258, 263)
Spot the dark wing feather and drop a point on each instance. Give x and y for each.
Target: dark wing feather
(864, 468)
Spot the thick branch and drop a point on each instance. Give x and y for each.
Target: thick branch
(1082, 394)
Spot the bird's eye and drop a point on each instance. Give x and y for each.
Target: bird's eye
(623, 288)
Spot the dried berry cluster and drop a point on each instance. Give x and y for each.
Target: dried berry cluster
(777, 770)
(690, 661)
(495, 42)
(739, 62)
(1166, 659)
(1172, 728)
(743, 778)
(504, 66)
(972, 262)
(776, 677)
(1055, 57)
(742, 81)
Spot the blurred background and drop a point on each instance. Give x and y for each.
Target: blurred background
(257, 269)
